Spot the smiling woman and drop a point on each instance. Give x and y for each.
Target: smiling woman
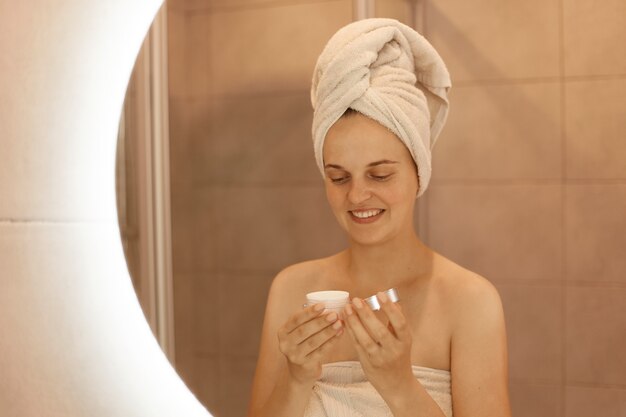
(74, 341)
(375, 160)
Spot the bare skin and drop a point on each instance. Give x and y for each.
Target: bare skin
(449, 318)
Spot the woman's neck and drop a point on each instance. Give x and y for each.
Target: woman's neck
(395, 263)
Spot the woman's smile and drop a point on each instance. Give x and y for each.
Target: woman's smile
(366, 216)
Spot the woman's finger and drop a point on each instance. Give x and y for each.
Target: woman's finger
(312, 327)
(301, 317)
(361, 335)
(326, 345)
(395, 316)
(361, 352)
(301, 325)
(378, 331)
(319, 339)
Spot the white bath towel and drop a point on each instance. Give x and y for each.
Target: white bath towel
(390, 73)
(344, 391)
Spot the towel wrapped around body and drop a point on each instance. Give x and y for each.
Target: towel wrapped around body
(390, 73)
(344, 391)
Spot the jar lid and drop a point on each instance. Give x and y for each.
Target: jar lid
(391, 293)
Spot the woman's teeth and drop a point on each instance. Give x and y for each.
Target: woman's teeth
(366, 214)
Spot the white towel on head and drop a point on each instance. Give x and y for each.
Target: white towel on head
(390, 73)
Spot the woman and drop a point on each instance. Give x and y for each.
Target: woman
(380, 99)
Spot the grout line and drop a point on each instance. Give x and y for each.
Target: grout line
(457, 84)
(559, 282)
(251, 271)
(211, 69)
(245, 95)
(594, 284)
(220, 319)
(563, 137)
(538, 80)
(595, 77)
(495, 181)
(526, 281)
(193, 273)
(581, 384)
(574, 384)
(533, 381)
(270, 185)
(423, 7)
(599, 181)
(506, 81)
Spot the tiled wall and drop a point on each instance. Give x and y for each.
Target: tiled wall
(529, 185)
(529, 188)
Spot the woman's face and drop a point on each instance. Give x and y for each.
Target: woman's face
(371, 180)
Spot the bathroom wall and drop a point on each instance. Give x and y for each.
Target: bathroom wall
(529, 188)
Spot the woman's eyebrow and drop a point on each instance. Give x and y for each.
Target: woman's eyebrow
(381, 162)
(371, 164)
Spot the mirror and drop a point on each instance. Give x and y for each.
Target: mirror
(74, 342)
(246, 198)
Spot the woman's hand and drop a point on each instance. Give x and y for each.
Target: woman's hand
(305, 340)
(384, 351)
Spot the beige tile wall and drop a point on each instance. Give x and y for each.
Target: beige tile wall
(529, 188)
(529, 185)
(496, 40)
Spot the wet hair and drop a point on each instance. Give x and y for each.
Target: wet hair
(349, 112)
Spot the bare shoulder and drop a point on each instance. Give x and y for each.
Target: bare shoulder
(469, 295)
(478, 354)
(290, 286)
(297, 274)
(299, 277)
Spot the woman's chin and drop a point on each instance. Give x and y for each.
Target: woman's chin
(367, 238)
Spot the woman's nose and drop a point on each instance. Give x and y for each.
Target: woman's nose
(359, 192)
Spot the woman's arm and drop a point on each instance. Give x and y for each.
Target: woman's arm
(385, 354)
(479, 359)
(292, 349)
(273, 393)
(287, 397)
(478, 355)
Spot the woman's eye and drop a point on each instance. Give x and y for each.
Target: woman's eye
(338, 180)
(381, 177)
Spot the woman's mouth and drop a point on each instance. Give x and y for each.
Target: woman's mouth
(366, 216)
